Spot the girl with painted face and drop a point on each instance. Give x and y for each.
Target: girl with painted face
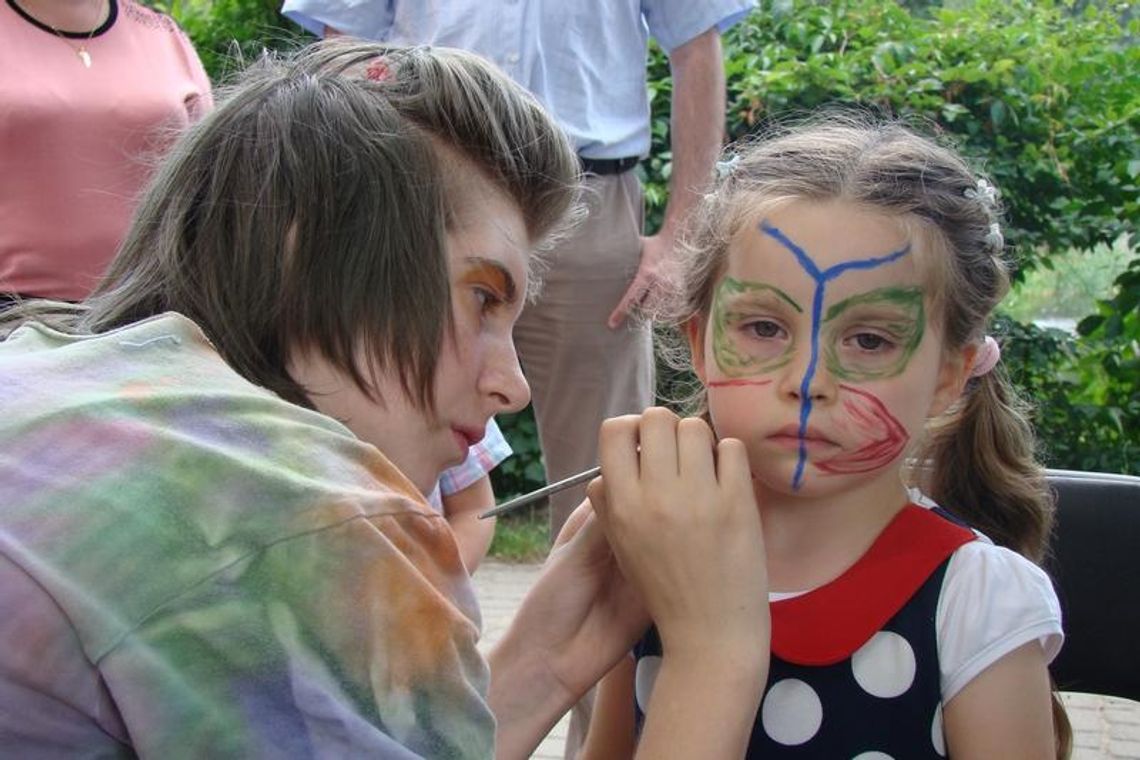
(835, 294)
(213, 540)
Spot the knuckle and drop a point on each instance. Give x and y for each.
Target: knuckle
(659, 414)
(694, 426)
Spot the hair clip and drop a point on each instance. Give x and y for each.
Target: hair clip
(994, 239)
(983, 192)
(726, 167)
(378, 70)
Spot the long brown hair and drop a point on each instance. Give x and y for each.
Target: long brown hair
(310, 209)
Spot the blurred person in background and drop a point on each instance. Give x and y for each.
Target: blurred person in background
(91, 93)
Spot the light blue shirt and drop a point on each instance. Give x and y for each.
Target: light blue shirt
(584, 59)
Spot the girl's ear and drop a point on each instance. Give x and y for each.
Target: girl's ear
(695, 334)
(952, 377)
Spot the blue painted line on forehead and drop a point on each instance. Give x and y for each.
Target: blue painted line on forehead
(821, 277)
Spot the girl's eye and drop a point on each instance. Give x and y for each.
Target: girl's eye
(872, 342)
(765, 328)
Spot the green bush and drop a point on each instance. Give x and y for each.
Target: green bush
(229, 33)
(1045, 96)
(1047, 99)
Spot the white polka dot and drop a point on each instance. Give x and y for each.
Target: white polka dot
(792, 712)
(937, 738)
(884, 666)
(872, 756)
(647, 670)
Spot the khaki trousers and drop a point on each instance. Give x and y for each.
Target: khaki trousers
(580, 371)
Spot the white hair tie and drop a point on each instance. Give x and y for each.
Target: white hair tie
(727, 166)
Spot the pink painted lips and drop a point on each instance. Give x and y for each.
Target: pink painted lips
(466, 438)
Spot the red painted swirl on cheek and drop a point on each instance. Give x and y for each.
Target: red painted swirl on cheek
(885, 435)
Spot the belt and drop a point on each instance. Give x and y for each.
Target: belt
(608, 165)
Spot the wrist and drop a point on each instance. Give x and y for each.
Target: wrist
(525, 696)
(688, 689)
(745, 659)
(729, 649)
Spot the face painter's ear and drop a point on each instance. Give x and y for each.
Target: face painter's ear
(952, 377)
(695, 334)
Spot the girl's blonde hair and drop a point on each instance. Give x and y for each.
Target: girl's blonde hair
(310, 208)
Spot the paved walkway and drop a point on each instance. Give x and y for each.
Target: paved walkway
(1103, 727)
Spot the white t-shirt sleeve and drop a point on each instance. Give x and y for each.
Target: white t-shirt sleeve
(993, 601)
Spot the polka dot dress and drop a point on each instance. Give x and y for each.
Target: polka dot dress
(877, 694)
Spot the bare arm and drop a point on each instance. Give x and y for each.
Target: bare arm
(462, 510)
(574, 624)
(612, 729)
(696, 134)
(1005, 712)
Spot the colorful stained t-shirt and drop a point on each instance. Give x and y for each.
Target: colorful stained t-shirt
(192, 567)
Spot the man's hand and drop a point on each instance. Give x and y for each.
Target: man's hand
(647, 282)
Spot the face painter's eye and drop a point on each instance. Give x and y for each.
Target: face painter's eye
(488, 299)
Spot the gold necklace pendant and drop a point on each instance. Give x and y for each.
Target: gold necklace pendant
(84, 56)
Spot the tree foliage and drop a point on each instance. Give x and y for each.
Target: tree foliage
(229, 33)
(1043, 94)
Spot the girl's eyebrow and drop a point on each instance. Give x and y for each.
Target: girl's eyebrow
(890, 302)
(494, 274)
(736, 291)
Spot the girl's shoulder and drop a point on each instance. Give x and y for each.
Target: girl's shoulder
(993, 601)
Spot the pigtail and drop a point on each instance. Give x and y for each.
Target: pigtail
(981, 465)
(984, 469)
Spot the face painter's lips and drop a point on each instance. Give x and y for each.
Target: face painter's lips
(469, 435)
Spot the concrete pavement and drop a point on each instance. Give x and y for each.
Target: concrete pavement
(1103, 727)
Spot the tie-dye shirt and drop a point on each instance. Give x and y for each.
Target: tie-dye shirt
(192, 567)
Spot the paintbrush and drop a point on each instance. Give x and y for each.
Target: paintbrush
(510, 505)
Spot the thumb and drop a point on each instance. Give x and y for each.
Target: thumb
(578, 524)
(618, 315)
(582, 535)
(575, 523)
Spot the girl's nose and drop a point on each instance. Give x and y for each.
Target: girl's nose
(804, 377)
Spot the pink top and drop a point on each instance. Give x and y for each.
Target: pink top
(76, 143)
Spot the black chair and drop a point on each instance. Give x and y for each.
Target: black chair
(1095, 566)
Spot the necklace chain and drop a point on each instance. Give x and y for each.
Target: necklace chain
(81, 52)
